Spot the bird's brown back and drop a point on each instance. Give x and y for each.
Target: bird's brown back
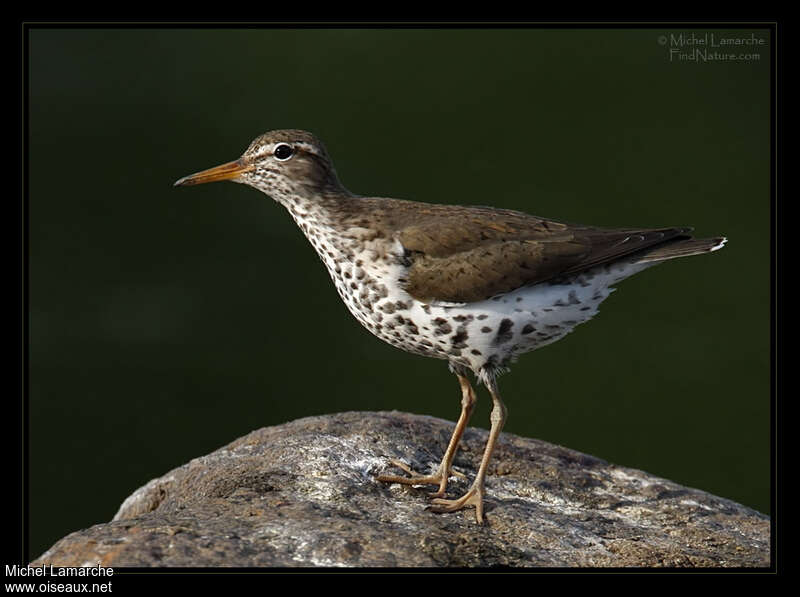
(464, 254)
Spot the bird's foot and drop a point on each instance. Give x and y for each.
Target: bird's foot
(473, 497)
(438, 478)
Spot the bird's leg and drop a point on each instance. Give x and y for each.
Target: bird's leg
(474, 495)
(468, 399)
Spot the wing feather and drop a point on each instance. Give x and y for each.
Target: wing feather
(467, 256)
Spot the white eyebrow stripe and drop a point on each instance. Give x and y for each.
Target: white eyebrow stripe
(306, 147)
(269, 148)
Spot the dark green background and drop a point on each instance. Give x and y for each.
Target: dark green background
(166, 322)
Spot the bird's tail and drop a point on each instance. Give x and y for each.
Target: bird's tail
(682, 248)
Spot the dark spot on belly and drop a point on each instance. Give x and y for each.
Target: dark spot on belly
(401, 306)
(387, 307)
(482, 316)
(476, 352)
(459, 338)
(486, 329)
(442, 327)
(411, 327)
(527, 329)
(504, 333)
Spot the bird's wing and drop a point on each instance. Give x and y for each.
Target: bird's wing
(472, 254)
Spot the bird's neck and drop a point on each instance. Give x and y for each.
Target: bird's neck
(318, 208)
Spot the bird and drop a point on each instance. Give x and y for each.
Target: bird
(474, 286)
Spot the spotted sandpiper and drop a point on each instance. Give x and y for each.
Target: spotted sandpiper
(474, 286)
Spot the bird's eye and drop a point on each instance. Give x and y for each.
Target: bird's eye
(283, 152)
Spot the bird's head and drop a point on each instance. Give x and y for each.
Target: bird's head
(284, 164)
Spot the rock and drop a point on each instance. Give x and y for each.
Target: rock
(304, 494)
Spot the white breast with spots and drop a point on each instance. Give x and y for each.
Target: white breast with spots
(489, 334)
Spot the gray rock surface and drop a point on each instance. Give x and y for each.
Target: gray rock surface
(304, 494)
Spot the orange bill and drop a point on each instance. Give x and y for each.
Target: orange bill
(223, 172)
